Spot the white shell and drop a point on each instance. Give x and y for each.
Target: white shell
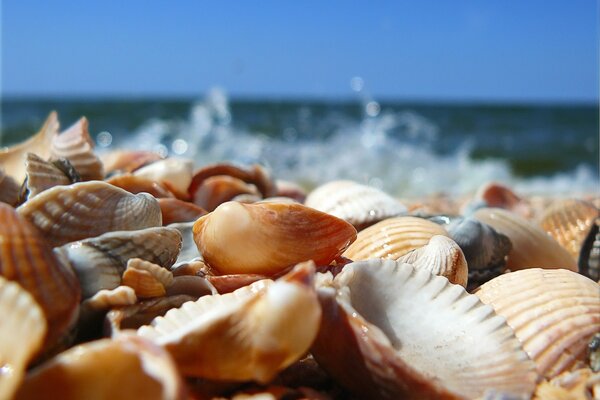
(176, 171)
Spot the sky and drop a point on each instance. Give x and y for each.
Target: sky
(491, 50)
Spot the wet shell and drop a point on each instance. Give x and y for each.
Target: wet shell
(22, 333)
(143, 282)
(175, 210)
(42, 175)
(68, 213)
(26, 257)
(76, 145)
(554, 313)
(137, 184)
(392, 238)
(219, 189)
(441, 256)
(403, 333)
(531, 246)
(177, 172)
(127, 367)
(254, 174)
(99, 262)
(251, 333)
(355, 203)
(9, 189)
(12, 159)
(589, 259)
(266, 238)
(569, 222)
(127, 160)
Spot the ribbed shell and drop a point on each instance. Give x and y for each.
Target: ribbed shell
(26, 257)
(143, 283)
(76, 145)
(176, 171)
(531, 246)
(391, 331)
(106, 299)
(357, 204)
(266, 238)
(22, 333)
(9, 189)
(392, 238)
(441, 256)
(175, 210)
(219, 189)
(569, 222)
(68, 213)
(42, 175)
(162, 274)
(554, 313)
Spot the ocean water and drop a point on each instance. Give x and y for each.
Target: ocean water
(405, 149)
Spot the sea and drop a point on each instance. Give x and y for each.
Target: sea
(405, 148)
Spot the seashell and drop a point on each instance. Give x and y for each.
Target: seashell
(136, 184)
(68, 213)
(485, 249)
(26, 257)
(125, 161)
(189, 250)
(194, 267)
(9, 189)
(195, 286)
(594, 352)
(99, 262)
(434, 204)
(175, 210)
(358, 204)
(22, 333)
(176, 172)
(106, 299)
(42, 175)
(441, 256)
(266, 238)
(404, 333)
(531, 247)
(12, 159)
(229, 283)
(589, 258)
(254, 174)
(219, 189)
(554, 313)
(291, 190)
(569, 222)
(127, 367)
(249, 334)
(76, 145)
(496, 195)
(143, 283)
(570, 385)
(392, 238)
(247, 198)
(162, 274)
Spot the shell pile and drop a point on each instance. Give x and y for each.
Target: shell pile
(136, 276)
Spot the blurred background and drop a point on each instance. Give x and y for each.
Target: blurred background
(413, 97)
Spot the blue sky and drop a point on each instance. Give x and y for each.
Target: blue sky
(431, 50)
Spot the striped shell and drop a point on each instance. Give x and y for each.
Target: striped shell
(176, 172)
(267, 238)
(9, 189)
(392, 238)
(22, 333)
(357, 204)
(42, 175)
(68, 213)
(162, 274)
(531, 246)
(554, 313)
(391, 331)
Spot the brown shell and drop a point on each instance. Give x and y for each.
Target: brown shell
(68, 213)
(291, 190)
(218, 189)
(392, 238)
(137, 184)
(175, 210)
(195, 286)
(128, 160)
(175, 172)
(26, 257)
(143, 282)
(554, 313)
(42, 175)
(162, 274)
(254, 174)
(267, 238)
(76, 145)
(496, 195)
(9, 189)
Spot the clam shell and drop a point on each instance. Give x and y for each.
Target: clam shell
(26, 257)
(554, 313)
(177, 172)
(175, 210)
(219, 189)
(355, 203)
(162, 274)
(441, 256)
(22, 333)
(569, 222)
(42, 175)
(128, 160)
(68, 213)
(137, 184)
(531, 246)
(12, 159)
(99, 262)
(589, 259)
(76, 145)
(251, 333)
(9, 189)
(143, 283)
(266, 238)
(254, 174)
(392, 238)
(127, 367)
(405, 333)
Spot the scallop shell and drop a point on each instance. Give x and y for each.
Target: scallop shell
(569, 222)
(531, 247)
(42, 175)
(22, 333)
(441, 256)
(355, 203)
(128, 160)
(68, 213)
(266, 238)
(99, 262)
(177, 172)
(589, 259)
(405, 333)
(9, 189)
(127, 367)
(219, 189)
(251, 333)
(554, 313)
(392, 238)
(26, 258)
(254, 174)
(137, 184)
(12, 159)
(144, 283)
(175, 210)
